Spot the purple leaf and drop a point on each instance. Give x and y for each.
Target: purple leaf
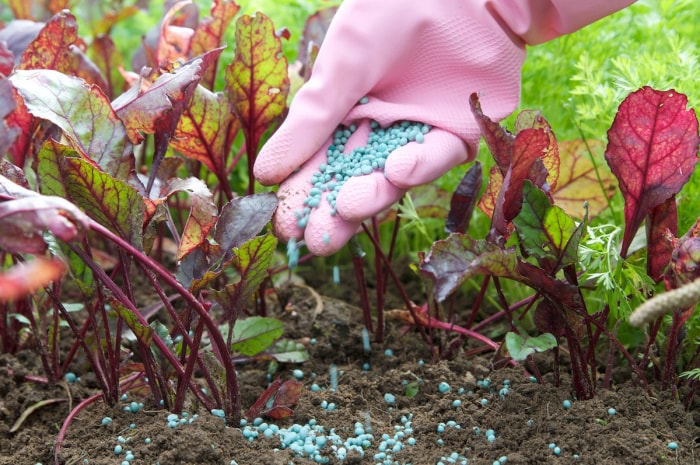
(464, 200)
(452, 261)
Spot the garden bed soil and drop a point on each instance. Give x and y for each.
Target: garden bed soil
(526, 421)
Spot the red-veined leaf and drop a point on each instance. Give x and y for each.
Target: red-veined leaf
(147, 105)
(206, 130)
(251, 260)
(528, 146)
(22, 122)
(452, 261)
(285, 394)
(28, 277)
(109, 201)
(652, 150)
(51, 48)
(83, 113)
(257, 82)
(550, 158)
(546, 232)
(210, 34)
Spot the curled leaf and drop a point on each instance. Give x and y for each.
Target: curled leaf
(24, 220)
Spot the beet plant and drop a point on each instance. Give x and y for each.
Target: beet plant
(116, 183)
(652, 152)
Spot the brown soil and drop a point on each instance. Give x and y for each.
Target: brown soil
(525, 421)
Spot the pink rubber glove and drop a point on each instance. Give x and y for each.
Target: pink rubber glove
(415, 60)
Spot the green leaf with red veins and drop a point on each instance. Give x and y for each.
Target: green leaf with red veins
(82, 112)
(652, 150)
(206, 130)
(578, 181)
(109, 201)
(143, 333)
(202, 215)
(531, 119)
(661, 229)
(546, 232)
(51, 48)
(148, 105)
(107, 58)
(458, 258)
(251, 261)
(28, 277)
(210, 34)
(499, 141)
(49, 168)
(256, 81)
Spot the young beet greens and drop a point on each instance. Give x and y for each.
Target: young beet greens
(120, 168)
(113, 181)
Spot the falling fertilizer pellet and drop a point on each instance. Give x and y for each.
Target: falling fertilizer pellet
(361, 161)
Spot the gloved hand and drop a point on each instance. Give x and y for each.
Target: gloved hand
(414, 60)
